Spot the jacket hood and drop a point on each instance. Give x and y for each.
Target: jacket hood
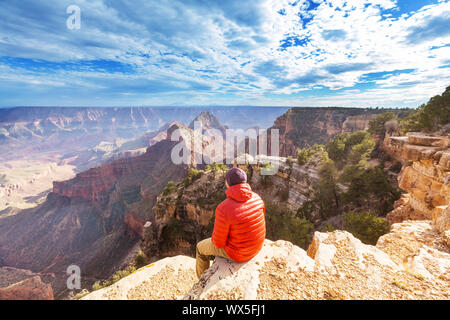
(239, 192)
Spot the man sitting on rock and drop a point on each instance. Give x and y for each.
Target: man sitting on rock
(239, 227)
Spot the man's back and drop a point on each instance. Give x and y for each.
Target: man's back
(240, 226)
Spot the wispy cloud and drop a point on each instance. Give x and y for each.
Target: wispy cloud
(304, 52)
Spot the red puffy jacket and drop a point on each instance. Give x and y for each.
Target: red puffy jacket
(239, 226)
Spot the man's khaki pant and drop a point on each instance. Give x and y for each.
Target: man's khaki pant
(207, 251)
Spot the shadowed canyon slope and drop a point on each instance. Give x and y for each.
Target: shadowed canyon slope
(92, 220)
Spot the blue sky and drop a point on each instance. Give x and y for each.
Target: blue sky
(386, 53)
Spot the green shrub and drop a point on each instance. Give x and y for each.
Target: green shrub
(377, 125)
(216, 167)
(327, 190)
(317, 150)
(329, 227)
(336, 147)
(289, 161)
(140, 260)
(350, 148)
(365, 226)
(370, 187)
(302, 156)
(116, 277)
(307, 210)
(430, 116)
(169, 188)
(192, 175)
(285, 225)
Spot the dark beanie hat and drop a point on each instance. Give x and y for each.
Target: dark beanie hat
(235, 176)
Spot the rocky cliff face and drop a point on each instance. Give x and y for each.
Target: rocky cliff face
(93, 220)
(208, 121)
(335, 266)
(303, 127)
(425, 177)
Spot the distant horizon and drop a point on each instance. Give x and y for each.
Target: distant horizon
(209, 106)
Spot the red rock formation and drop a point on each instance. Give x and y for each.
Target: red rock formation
(134, 223)
(92, 220)
(28, 289)
(19, 284)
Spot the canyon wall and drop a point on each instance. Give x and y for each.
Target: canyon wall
(425, 177)
(94, 220)
(303, 127)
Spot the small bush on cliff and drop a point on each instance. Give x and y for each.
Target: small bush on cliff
(169, 188)
(289, 161)
(325, 199)
(173, 231)
(352, 148)
(216, 167)
(327, 190)
(336, 147)
(192, 175)
(366, 226)
(430, 116)
(284, 225)
(369, 187)
(377, 125)
(140, 260)
(317, 150)
(302, 156)
(116, 277)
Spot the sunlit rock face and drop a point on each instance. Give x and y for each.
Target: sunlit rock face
(425, 177)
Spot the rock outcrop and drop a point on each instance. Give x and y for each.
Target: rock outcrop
(336, 266)
(425, 177)
(167, 279)
(18, 284)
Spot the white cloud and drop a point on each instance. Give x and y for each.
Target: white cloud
(233, 48)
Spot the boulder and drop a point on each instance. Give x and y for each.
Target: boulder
(419, 248)
(166, 279)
